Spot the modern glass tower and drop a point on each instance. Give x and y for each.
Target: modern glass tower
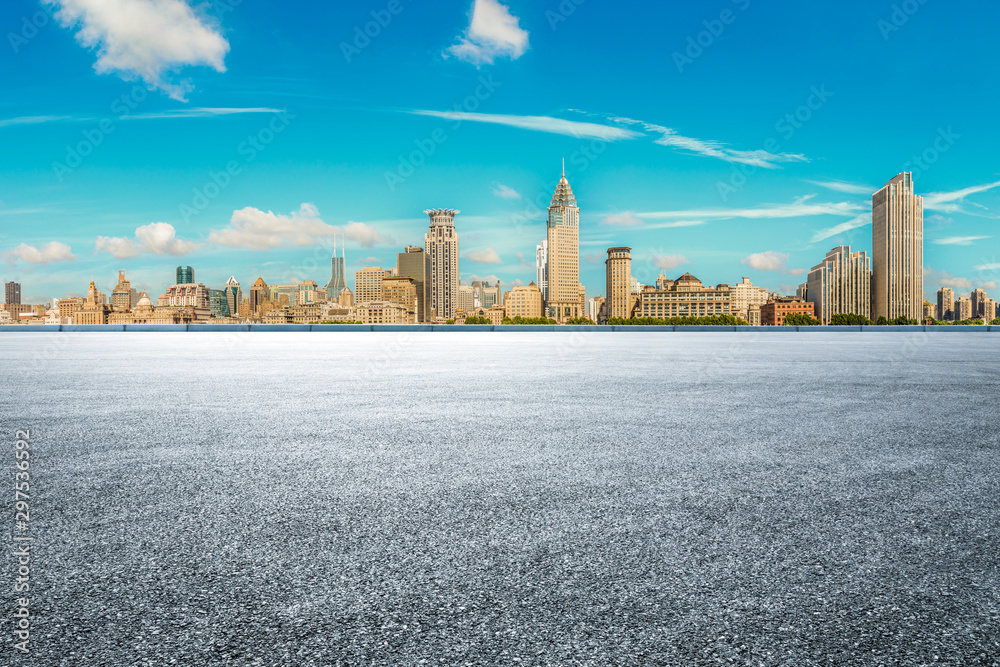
(564, 299)
(185, 275)
(338, 273)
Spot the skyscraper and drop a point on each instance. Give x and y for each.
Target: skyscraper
(234, 296)
(841, 284)
(416, 264)
(124, 298)
(946, 304)
(260, 296)
(441, 244)
(185, 275)
(979, 304)
(12, 294)
(898, 249)
(338, 272)
(564, 298)
(618, 267)
(542, 267)
(368, 284)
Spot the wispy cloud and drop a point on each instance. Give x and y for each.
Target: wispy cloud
(711, 148)
(201, 112)
(771, 261)
(34, 120)
(157, 238)
(959, 240)
(505, 191)
(801, 207)
(145, 39)
(548, 124)
(859, 221)
(493, 33)
(948, 202)
(626, 219)
(847, 188)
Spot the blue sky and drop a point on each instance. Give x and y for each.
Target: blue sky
(728, 138)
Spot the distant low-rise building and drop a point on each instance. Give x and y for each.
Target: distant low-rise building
(524, 301)
(773, 313)
(382, 312)
(684, 297)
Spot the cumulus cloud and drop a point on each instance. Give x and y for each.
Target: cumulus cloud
(488, 256)
(50, 253)
(505, 191)
(146, 39)
(157, 238)
(771, 261)
(669, 262)
(945, 279)
(492, 33)
(492, 279)
(626, 219)
(254, 229)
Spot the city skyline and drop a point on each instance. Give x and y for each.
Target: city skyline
(245, 176)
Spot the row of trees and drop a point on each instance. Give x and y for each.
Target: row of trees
(687, 321)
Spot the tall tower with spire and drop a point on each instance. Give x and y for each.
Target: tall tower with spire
(565, 300)
(338, 272)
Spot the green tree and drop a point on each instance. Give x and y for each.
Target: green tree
(996, 322)
(800, 320)
(849, 320)
(478, 320)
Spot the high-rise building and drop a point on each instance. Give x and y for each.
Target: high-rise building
(487, 296)
(542, 267)
(618, 268)
(338, 272)
(416, 264)
(989, 310)
(260, 296)
(234, 296)
(594, 308)
(946, 304)
(564, 299)
(747, 299)
(123, 297)
(368, 284)
(441, 243)
(466, 299)
(979, 297)
(963, 309)
(12, 294)
(841, 284)
(218, 301)
(898, 250)
(185, 275)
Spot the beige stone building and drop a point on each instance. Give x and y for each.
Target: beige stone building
(524, 301)
(260, 298)
(618, 269)
(898, 250)
(368, 284)
(963, 309)
(145, 313)
(123, 297)
(95, 309)
(743, 297)
(402, 291)
(69, 307)
(346, 298)
(441, 245)
(565, 298)
(466, 298)
(684, 297)
(382, 312)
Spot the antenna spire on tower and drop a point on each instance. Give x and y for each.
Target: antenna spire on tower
(564, 168)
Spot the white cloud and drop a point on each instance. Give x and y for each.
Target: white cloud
(570, 128)
(670, 261)
(492, 33)
(145, 39)
(593, 259)
(157, 238)
(202, 112)
(945, 279)
(847, 188)
(50, 253)
(854, 223)
(948, 202)
(676, 224)
(959, 240)
(362, 234)
(992, 266)
(505, 191)
(626, 219)
(710, 148)
(488, 256)
(771, 261)
(492, 279)
(254, 229)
